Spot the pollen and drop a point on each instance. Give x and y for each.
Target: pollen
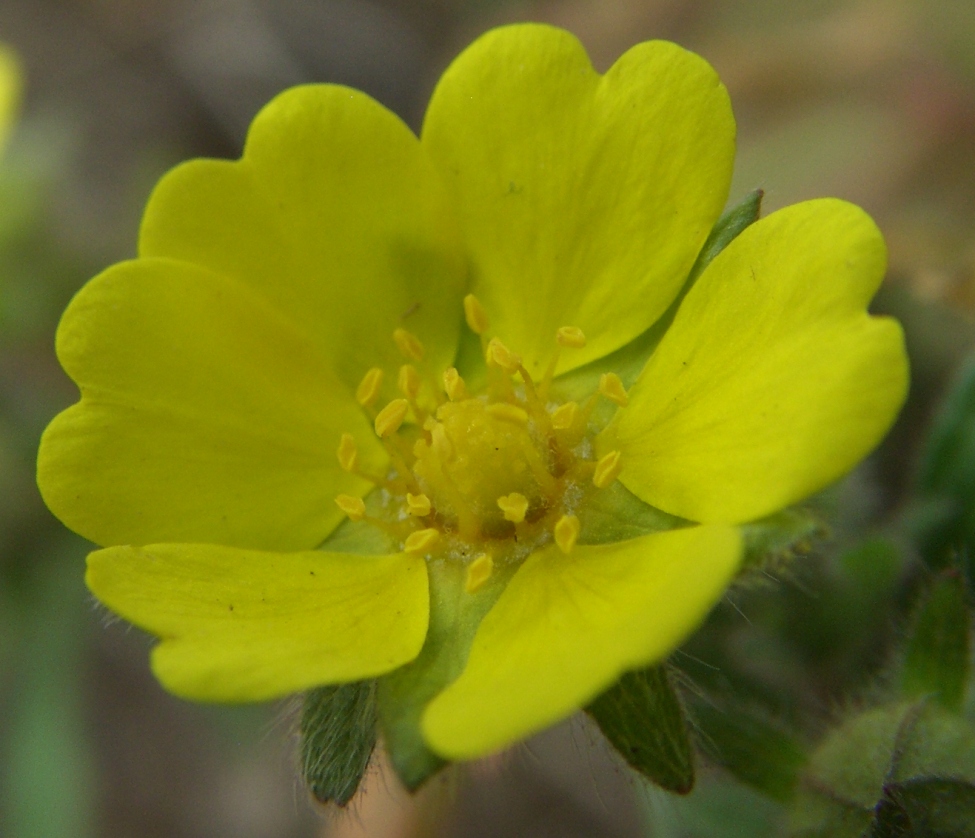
(408, 381)
(352, 506)
(566, 532)
(570, 337)
(418, 506)
(347, 453)
(408, 344)
(514, 507)
(421, 541)
(453, 385)
(506, 412)
(498, 355)
(611, 386)
(478, 572)
(368, 390)
(391, 417)
(564, 416)
(607, 470)
(474, 314)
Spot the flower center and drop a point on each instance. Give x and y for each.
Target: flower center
(485, 478)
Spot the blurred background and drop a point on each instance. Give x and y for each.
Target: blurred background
(868, 100)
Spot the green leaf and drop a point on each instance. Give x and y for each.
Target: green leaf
(643, 718)
(936, 659)
(338, 734)
(753, 749)
(404, 693)
(945, 521)
(628, 361)
(926, 809)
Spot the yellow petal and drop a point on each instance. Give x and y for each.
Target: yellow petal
(584, 198)
(205, 416)
(240, 625)
(335, 217)
(772, 381)
(9, 92)
(567, 626)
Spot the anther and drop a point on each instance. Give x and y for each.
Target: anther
(514, 507)
(478, 572)
(566, 532)
(368, 390)
(391, 417)
(474, 314)
(506, 412)
(564, 416)
(347, 453)
(498, 355)
(571, 337)
(607, 469)
(352, 506)
(453, 385)
(612, 388)
(409, 344)
(421, 541)
(418, 505)
(408, 381)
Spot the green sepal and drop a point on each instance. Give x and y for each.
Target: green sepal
(944, 521)
(403, 694)
(643, 718)
(628, 361)
(780, 537)
(338, 735)
(751, 747)
(616, 514)
(936, 659)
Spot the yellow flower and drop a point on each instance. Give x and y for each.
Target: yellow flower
(472, 321)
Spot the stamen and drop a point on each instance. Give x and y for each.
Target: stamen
(478, 572)
(607, 470)
(611, 386)
(564, 416)
(418, 505)
(474, 314)
(498, 355)
(570, 337)
(421, 541)
(408, 381)
(368, 390)
(508, 413)
(347, 453)
(566, 532)
(514, 507)
(454, 385)
(391, 417)
(352, 506)
(409, 344)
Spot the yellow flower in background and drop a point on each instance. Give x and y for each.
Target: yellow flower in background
(365, 401)
(9, 92)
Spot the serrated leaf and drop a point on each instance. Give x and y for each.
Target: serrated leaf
(403, 694)
(936, 659)
(753, 749)
(338, 735)
(643, 718)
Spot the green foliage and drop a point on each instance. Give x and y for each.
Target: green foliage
(902, 770)
(936, 659)
(755, 750)
(338, 735)
(644, 720)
